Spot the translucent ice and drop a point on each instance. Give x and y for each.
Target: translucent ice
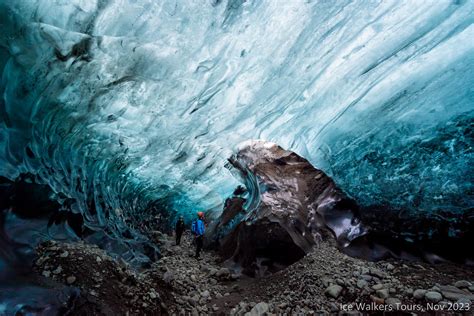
(118, 103)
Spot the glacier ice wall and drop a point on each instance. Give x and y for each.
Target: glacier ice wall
(117, 103)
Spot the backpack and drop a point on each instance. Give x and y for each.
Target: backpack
(194, 227)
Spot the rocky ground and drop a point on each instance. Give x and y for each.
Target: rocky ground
(325, 281)
(107, 286)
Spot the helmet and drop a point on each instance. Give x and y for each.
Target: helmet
(200, 214)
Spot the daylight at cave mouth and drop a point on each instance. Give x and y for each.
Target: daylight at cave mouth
(236, 157)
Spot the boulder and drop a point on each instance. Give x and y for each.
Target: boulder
(462, 284)
(223, 273)
(259, 309)
(58, 270)
(419, 294)
(394, 302)
(377, 287)
(464, 301)
(366, 277)
(433, 297)
(333, 291)
(382, 293)
(377, 273)
(71, 279)
(389, 266)
(289, 206)
(453, 293)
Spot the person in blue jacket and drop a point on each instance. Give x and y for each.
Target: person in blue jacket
(198, 230)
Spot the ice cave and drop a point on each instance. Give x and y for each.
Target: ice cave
(328, 145)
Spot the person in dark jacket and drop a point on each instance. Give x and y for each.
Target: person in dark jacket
(179, 229)
(198, 230)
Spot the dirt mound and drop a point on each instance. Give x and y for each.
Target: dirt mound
(106, 286)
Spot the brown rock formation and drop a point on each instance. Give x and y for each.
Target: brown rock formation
(290, 206)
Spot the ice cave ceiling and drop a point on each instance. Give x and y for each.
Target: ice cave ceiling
(117, 103)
